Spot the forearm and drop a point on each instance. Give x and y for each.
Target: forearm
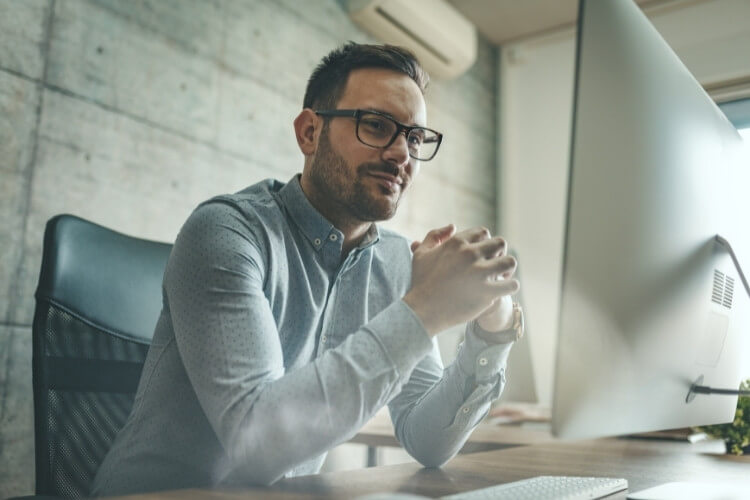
(269, 427)
(435, 427)
(271, 410)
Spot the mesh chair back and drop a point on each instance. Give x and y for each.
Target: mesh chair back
(97, 302)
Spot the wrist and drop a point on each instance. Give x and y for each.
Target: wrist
(420, 311)
(489, 326)
(513, 331)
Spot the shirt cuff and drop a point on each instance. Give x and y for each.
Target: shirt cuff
(477, 405)
(479, 358)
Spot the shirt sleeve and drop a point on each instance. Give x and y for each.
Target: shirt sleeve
(267, 419)
(437, 410)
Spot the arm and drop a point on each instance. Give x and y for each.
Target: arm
(438, 409)
(436, 412)
(269, 420)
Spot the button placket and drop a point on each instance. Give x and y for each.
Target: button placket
(328, 313)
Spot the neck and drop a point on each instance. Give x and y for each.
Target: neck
(354, 229)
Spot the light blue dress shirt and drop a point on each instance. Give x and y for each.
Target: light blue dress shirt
(271, 349)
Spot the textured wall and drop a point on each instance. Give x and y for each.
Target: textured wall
(129, 113)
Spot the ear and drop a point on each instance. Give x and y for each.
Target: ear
(306, 127)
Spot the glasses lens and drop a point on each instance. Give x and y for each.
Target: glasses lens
(423, 143)
(378, 131)
(375, 130)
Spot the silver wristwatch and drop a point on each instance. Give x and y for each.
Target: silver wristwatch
(512, 334)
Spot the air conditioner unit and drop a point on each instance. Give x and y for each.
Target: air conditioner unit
(444, 41)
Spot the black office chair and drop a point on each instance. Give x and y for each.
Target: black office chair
(97, 302)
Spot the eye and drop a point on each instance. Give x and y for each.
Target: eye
(376, 126)
(416, 137)
(372, 122)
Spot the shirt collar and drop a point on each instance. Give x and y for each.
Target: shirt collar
(313, 225)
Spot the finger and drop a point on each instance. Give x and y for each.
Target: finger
(474, 234)
(415, 245)
(501, 266)
(503, 287)
(437, 236)
(493, 247)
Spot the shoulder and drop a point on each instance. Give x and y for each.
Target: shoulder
(242, 218)
(253, 201)
(253, 209)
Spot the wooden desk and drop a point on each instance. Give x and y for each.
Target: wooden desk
(379, 432)
(642, 463)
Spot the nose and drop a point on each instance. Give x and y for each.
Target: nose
(398, 152)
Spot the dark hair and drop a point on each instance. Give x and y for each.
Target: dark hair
(328, 80)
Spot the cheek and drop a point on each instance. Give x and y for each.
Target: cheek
(352, 154)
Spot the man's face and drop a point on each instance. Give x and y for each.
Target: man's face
(368, 183)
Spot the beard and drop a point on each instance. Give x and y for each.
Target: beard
(351, 189)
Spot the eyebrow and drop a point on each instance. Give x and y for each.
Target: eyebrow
(386, 113)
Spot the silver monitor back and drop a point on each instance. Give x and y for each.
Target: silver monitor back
(646, 304)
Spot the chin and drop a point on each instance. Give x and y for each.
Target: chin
(379, 210)
(378, 204)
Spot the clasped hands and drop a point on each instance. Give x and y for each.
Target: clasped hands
(458, 277)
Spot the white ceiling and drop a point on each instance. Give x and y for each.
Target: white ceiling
(504, 20)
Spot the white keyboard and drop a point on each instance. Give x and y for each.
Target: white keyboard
(547, 488)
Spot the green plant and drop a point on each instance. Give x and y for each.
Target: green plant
(737, 433)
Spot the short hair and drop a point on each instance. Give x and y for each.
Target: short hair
(328, 80)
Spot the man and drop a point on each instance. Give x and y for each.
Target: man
(290, 318)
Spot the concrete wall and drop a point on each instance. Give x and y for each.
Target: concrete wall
(712, 37)
(129, 113)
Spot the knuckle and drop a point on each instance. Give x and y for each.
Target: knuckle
(468, 251)
(455, 243)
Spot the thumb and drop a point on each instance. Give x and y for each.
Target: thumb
(436, 237)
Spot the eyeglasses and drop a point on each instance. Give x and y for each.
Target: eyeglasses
(379, 130)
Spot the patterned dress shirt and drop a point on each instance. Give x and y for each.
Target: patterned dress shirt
(272, 348)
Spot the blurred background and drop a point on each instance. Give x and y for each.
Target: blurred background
(131, 112)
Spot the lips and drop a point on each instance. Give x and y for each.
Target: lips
(392, 182)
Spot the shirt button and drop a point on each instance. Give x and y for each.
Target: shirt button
(465, 409)
(323, 339)
(317, 242)
(482, 361)
(333, 237)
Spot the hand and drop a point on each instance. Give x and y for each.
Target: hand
(454, 277)
(499, 316)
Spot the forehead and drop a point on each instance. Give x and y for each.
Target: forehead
(387, 91)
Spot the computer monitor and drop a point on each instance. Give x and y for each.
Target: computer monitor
(649, 301)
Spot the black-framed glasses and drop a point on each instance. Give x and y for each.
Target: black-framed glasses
(379, 130)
